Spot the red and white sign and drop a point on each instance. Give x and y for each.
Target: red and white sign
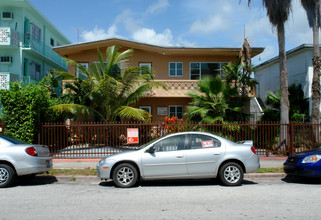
(206, 144)
(132, 135)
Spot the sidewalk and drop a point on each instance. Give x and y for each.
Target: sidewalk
(266, 162)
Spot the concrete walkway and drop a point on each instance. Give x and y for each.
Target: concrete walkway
(266, 162)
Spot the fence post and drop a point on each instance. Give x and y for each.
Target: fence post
(291, 138)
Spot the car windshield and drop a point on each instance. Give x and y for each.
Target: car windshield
(13, 140)
(145, 145)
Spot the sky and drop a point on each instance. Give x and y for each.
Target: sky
(183, 23)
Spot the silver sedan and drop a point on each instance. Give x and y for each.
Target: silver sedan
(20, 159)
(182, 155)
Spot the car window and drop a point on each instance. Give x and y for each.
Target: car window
(200, 141)
(173, 143)
(11, 140)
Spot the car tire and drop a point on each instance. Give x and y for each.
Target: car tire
(231, 174)
(125, 175)
(7, 175)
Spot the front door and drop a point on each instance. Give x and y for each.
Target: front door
(168, 160)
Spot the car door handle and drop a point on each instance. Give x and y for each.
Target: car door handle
(218, 153)
(180, 156)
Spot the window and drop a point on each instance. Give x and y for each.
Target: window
(200, 141)
(35, 71)
(199, 70)
(52, 42)
(147, 108)
(175, 69)
(6, 59)
(161, 110)
(36, 33)
(176, 110)
(7, 15)
(145, 68)
(173, 143)
(78, 73)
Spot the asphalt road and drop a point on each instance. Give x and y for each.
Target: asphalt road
(257, 198)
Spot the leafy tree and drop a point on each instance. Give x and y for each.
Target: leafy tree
(210, 103)
(312, 8)
(106, 90)
(25, 107)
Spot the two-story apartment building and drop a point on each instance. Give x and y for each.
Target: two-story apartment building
(26, 42)
(178, 67)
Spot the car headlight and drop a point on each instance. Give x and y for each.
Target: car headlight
(101, 162)
(312, 158)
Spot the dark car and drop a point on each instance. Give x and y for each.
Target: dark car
(304, 164)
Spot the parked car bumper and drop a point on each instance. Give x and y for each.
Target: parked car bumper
(304, 170)
(104, 168)
(34, 166)
(253, 164)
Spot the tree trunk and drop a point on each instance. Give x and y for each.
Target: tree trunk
(284, 94)
(315, 114)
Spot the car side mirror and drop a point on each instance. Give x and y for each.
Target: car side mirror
(151, 150)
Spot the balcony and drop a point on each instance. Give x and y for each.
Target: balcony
(9, 37)
(180, 88)
(39, 48)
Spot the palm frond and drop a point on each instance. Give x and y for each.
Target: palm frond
(128, 112)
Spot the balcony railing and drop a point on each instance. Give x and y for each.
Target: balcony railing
(180, 88)
(9, 37)
(41, 48)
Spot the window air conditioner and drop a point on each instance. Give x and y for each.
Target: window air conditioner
(7, 15)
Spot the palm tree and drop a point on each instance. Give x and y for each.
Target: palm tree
(312, 8)
(109, 91)
(299, 105)
(210, 103)
(278, 12)
(239, 83)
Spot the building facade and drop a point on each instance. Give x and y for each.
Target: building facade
(300, 72)
(178, 67)
(26, 42)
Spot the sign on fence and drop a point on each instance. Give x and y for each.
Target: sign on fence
(132, 135)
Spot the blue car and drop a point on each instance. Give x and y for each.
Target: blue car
(304, 164)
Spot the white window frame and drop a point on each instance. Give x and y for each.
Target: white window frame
(147, 64)
(169, 112)
(149, 107)
(200, 70)
(83, 64)
(169, 69)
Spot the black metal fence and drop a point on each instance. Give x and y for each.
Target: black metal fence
(96, 140)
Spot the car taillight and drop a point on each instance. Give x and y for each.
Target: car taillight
(253, 150)
(31, 151)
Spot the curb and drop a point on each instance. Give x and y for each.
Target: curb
(264, 175)
(76, 178)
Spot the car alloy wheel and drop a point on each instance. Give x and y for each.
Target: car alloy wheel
(125, 175)
(231, 174)
(7, 175)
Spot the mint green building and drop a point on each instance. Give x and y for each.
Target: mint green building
(26, 42)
